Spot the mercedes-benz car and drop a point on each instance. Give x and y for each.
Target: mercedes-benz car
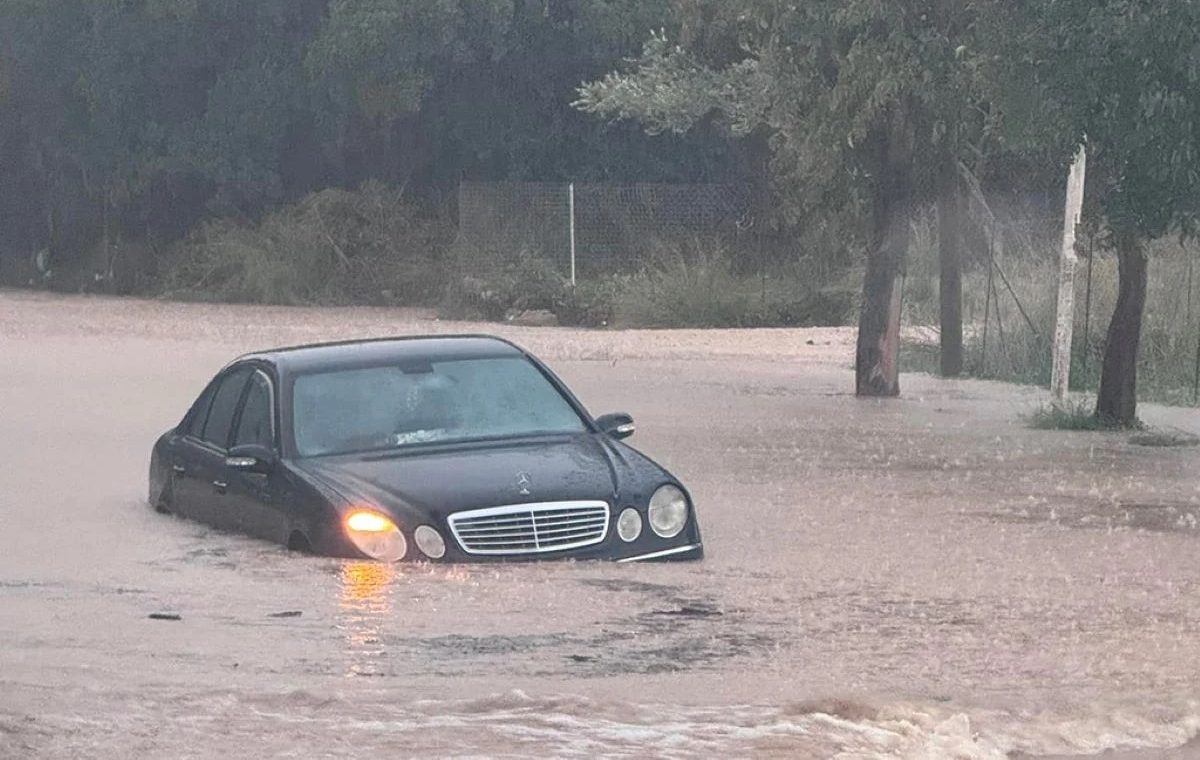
(445, 449)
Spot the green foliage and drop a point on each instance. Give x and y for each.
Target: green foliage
(333, 247)
(1078, 414)
(591, 303)
(525, 281)
(140, 120)
(688, 284)
(699, 286)
(1121, 74)
(831, 83)
(377, 58)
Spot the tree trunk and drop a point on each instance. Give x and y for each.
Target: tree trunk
(1117, 403)
(877, 363)
(877, 359)
(950, 287)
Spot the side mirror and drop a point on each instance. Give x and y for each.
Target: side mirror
(619, 426)
(251, 458)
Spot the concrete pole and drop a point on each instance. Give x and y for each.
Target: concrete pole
(1060, 378)
(571, 203)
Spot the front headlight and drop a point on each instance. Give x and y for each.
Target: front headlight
(668, 511)
(376, 535)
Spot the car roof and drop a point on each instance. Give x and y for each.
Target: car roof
(317, 357)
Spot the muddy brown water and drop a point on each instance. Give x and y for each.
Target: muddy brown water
(919, 578)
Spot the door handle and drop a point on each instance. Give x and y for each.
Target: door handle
(179, 469)
(220, 485)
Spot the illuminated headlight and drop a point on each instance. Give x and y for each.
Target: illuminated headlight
(668, 511)
(629, 525)
(430, 542)
(376, 535)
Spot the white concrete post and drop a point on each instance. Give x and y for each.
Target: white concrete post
(571, 204)
(1060, 378)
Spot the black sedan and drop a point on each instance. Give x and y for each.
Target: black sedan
(440, 449)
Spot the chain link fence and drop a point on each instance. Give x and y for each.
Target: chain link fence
(1010, 288)
(588, 230)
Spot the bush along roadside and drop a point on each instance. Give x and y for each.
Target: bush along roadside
(674, 290)
(335, 247)
(371, 246)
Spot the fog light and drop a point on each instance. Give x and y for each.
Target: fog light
(629, 525)
(376, 535)
(430, 542)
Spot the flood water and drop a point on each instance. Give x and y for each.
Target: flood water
(919, 578)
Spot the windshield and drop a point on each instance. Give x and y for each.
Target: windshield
(391, 407)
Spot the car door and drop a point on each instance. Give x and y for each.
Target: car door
(188, 493)
(253, 495)
(206, 489)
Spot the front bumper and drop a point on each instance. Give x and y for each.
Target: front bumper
(688, 546)
(678, 554)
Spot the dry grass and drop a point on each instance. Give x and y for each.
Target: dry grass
(1015, 345)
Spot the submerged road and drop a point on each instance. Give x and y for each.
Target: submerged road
(921, 577)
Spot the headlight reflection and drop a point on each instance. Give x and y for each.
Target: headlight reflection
(369, 613)
(365, 606)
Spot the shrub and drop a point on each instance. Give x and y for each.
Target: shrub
(1077, 414)
(699, 286)
(332, 247)
(588, 304)
(525, 281)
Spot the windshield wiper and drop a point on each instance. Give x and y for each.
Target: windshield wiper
(421, 448)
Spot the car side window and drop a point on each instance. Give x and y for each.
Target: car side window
(224, 405)
(256, 423)
(194, 424)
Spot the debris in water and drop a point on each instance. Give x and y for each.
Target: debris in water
(1165, 439)
(689, 610)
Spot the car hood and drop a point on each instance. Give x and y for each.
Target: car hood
(442, 480)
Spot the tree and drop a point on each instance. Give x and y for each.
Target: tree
(1122, 75)
(40, 123)
(867, 105)
(128, 117)
(425, 94)
(138, 119)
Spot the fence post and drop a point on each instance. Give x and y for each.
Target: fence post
(1060, 378)
(571, 206)
(987, 303)
(1087, 304)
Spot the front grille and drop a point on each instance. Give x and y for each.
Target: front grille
(531, 528)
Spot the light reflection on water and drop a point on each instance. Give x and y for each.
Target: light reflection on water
(364, 607)
(367, 607)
